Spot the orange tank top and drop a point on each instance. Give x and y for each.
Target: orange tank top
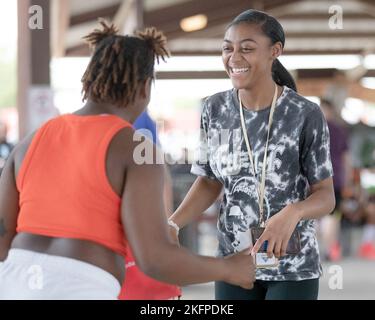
(63, 186)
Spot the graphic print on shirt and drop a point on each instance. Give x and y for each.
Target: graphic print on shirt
(298, 156)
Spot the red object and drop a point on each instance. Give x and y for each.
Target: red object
(138, 286)
(335, 252)
(367, 251)
(64, 189)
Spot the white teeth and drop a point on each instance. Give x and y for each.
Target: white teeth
(240, 70)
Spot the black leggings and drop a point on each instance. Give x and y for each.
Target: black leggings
(269, 290)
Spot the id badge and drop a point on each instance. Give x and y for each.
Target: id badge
(262, 261)
(261, 258)
(293, 247)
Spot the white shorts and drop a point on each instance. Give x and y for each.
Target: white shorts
(28, 275)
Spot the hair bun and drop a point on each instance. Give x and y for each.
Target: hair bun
(157, 41)
(97, 35)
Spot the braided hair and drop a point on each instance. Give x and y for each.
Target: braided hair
(119, 64)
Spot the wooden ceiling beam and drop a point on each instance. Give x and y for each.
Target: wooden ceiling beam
(216, 15)
(288, 52)
(269, 5)
(301, 74)
(83, 51)
(179, 11)
(331, 34)
(294, 34)
(109, 11)
(321, 16)
(182, 75)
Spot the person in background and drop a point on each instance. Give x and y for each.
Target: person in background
(137, 285)
(367, 246)
(340, 157)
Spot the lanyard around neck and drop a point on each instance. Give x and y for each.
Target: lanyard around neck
(261, 188)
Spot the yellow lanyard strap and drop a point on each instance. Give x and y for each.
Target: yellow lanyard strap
(261, 188)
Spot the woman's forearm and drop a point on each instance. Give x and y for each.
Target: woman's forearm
(185, 267)
(320, 203)
(200, 197)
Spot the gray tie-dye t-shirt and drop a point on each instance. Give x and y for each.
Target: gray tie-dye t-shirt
(298, 156)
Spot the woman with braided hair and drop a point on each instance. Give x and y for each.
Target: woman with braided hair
(73, 196)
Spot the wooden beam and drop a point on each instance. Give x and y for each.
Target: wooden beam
(317, 87)
(165, 75)
(331, 34)
(323, 52)
(40, 47)
(275, 4)
(129, 18)
(81, 50)
(360, 92)
(107, 12)
(23, 65)
(288, 52)
(370, 73)
(302, 74)
(179, 11)
(60, 23)
(216, 15)
(321, 16)
(34, 95)
(218, 32)
(278, 8)
(315, 73)
(215, 30)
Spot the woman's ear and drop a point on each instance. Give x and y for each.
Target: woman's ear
(277, 50)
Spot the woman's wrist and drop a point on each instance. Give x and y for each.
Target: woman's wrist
(223, 269)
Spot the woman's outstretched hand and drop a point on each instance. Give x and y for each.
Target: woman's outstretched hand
(241, 269)
(279, 229)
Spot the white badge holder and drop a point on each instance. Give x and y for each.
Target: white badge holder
(262, 261)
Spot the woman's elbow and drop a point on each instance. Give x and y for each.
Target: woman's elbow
(150, 263)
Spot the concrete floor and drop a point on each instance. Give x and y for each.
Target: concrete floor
(358, 276)
(358, 283)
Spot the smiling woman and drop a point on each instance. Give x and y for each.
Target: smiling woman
(281, 150)
(251, 47)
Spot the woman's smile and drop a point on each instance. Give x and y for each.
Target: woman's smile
(235, 72)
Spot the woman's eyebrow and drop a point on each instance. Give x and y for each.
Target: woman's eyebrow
(244, 40)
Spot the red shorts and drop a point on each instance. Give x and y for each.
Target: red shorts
(138, 286)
